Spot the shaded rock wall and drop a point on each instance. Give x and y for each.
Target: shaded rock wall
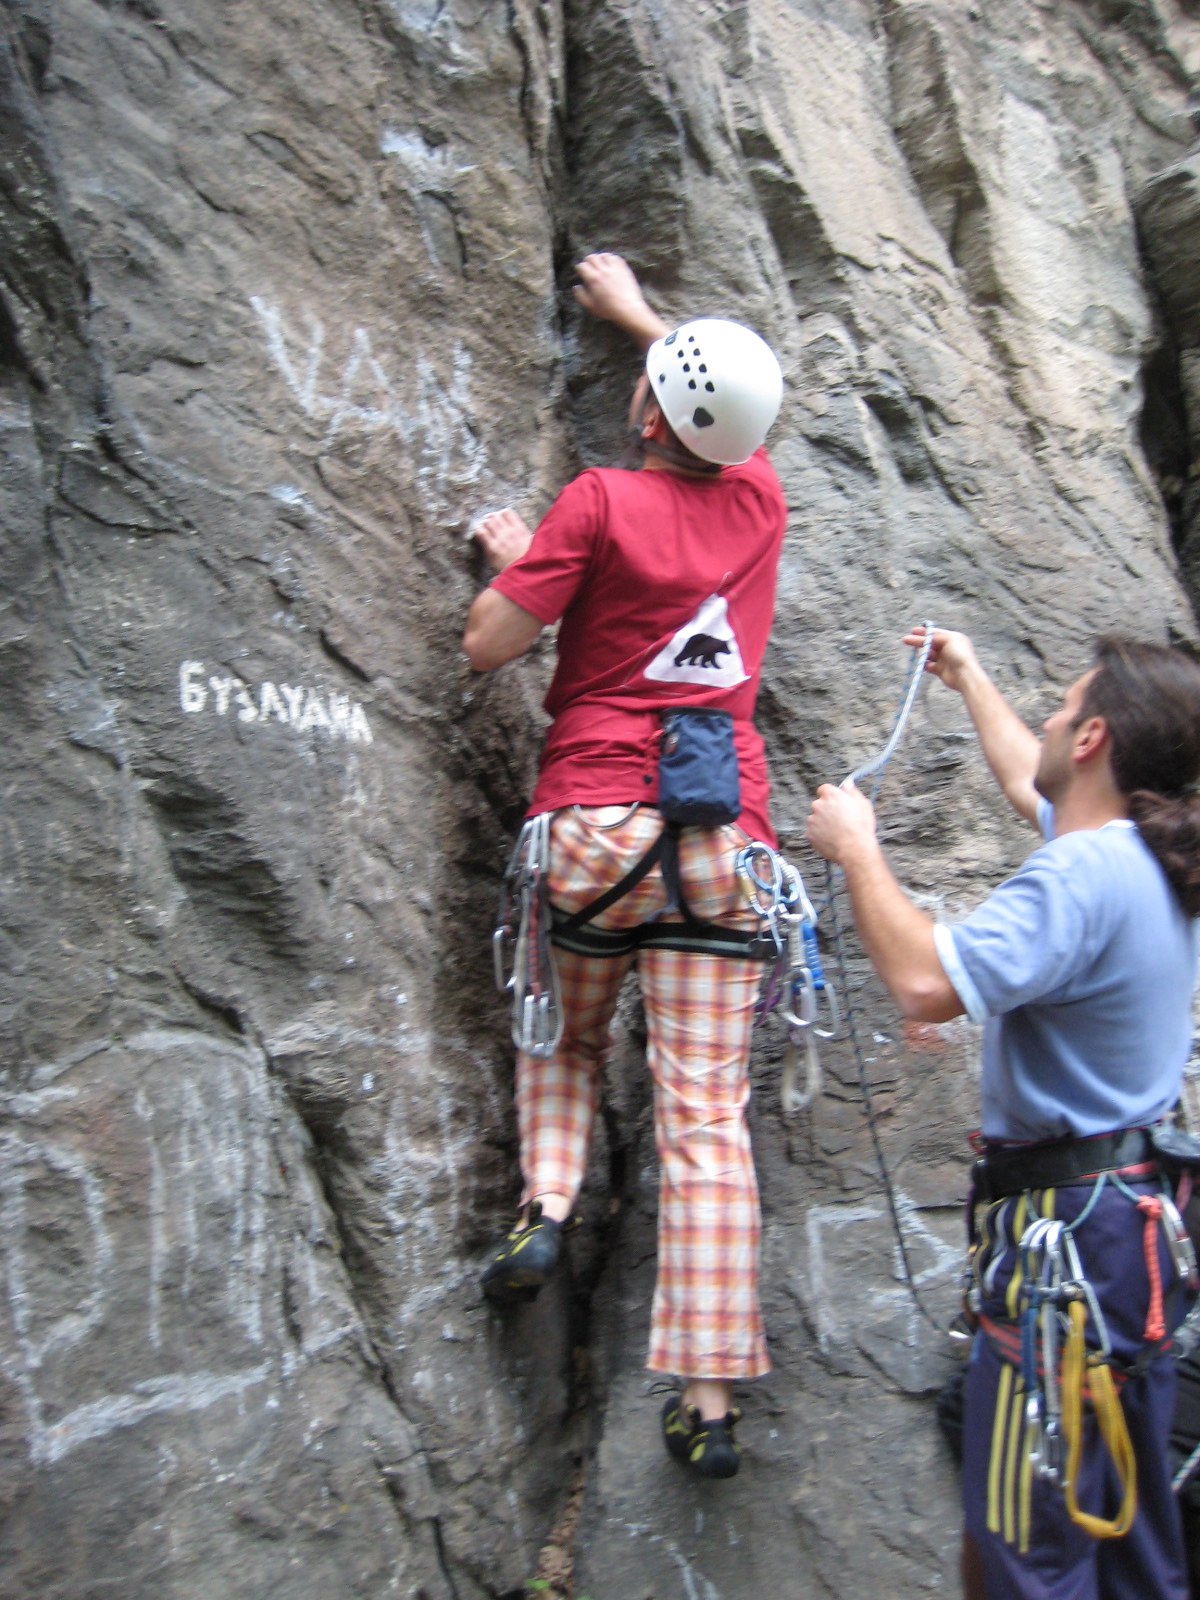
(284, 302)
(1169, 215)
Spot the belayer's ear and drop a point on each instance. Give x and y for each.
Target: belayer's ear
(1091, 738)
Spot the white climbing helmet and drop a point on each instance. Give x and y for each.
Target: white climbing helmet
(719, 386)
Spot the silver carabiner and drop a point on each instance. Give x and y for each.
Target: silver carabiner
(756, 886)
(1183, 1251)
(1051, 1455)
(793, 1099)
(834, 1010)
(537, 1034)
(800, 982)
(1076, 1287)
(1033, 1431)
(504, 946)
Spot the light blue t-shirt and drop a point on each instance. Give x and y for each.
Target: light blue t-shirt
(1081, 968)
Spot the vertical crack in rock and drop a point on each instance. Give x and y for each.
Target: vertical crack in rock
(627, 154)
(318, 1093)
(810, 266)
(43, 282)
(1164, 437)
(1168, 213)
(934, 137)
(626, 144)
(537, 29)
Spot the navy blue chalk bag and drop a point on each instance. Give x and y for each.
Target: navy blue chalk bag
(698, 771)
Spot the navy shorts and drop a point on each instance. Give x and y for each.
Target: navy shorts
(1029, 1547)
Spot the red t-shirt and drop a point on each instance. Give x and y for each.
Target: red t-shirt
(665, 585)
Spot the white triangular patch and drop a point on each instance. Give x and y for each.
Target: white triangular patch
(704, 651)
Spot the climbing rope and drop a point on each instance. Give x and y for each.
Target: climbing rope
(1187, 1471)
(875, 769)
(864, 1084)
(908, 697)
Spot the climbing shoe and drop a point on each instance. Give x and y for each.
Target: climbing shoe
(523, 1260)
(708, 1448)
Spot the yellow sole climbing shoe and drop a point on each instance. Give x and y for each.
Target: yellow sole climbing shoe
(707, 1448)
(523, 1261)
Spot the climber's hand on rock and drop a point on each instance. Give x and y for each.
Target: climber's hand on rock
(608, 289)
(503, 537)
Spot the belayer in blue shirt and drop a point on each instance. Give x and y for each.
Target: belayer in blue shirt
(1081, 969)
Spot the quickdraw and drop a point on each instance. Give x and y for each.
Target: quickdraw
(796, 983)
(1060, 1370)
(1057, 1303)
(521, 953)
(1045, 1292)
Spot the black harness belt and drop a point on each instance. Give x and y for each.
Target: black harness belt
(1005, 1170)
(572, 930)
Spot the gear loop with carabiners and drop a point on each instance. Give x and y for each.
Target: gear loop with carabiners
(796, 984)
(521, 953)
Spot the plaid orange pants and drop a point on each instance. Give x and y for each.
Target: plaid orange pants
(705, 1319)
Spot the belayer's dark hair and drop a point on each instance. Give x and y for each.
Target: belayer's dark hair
(1149, 697)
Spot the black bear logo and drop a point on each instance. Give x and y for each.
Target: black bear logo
(702, 650)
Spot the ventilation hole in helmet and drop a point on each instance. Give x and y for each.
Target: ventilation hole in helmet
(687, 366)
(702, 418)
(662, 377)
(671, 338)
(703, 368)
(711, 387)
(691, 383)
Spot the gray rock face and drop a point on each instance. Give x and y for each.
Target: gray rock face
(1169, 215)
(284, 303)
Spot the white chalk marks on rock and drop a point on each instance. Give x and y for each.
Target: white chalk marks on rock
(178, 1244)
(352, 391)
(295, 706)
(843, 1280)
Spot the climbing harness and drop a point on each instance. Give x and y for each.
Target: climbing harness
(1047, 1343)
(573, 930)
(529, 929)
(796, 983)
(521, 953)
